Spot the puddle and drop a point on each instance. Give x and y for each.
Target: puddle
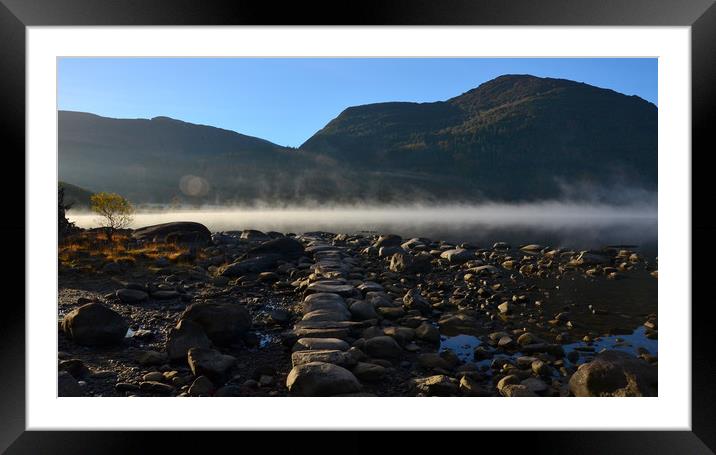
(635, 343)
(140, 333)
(462, 345)
(266, 339)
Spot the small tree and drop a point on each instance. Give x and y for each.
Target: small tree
(115, 212)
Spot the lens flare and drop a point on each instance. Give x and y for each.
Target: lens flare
(192, 185)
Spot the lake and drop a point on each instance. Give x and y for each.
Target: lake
(550, 223)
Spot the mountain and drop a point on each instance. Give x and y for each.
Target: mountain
(516, 137)
(161, 159)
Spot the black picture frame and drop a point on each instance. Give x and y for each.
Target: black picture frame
(700, 15)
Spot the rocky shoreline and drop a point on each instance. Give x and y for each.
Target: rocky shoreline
(248, 313)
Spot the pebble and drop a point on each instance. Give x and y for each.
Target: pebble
(154, 376)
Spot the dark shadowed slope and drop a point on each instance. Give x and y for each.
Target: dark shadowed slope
(146, 159)
(513, 138)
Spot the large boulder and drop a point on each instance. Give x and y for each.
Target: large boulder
(254, 236)
(67, 385)
(415, 243)
(210, 363)
(325, 301)
(321, 379)
(407, 263)
(428, 333)
(383, 347)
(389, 251)
(458, 256)
(388, 240)
(256, 264)
(336, 357)
(223, 323)
(413, 300)
(363, 310)
(438, 385)
(94, 324)
(369, 372)
(614, 374)
(379, 299)
(403, 335)
(320, 344)
(75, 367)
(326, 315)
(202, 386)
(517, 390)
(285, 247)
(186, 335)
(331, 287)
(176, 232)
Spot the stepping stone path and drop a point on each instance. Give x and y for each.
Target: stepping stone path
(327, 322)
(354, 321)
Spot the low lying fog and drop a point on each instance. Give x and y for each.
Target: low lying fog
(548, 222)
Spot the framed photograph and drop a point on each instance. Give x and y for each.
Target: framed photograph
(420, 217)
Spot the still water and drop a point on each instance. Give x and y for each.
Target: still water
(550, 223)
(635, 343)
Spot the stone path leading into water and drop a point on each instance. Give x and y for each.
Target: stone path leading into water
(338, 309)
(357, 315)
(322, 360)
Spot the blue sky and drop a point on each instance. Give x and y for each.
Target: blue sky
(287, 100)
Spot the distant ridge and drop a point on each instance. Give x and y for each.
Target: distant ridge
(516, 137)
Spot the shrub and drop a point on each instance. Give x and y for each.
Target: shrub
(114, 210)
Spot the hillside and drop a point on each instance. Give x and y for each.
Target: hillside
(517, 137)
(146, 159)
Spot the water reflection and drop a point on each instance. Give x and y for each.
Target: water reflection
(635, 344)
(462, 345)
(550, 223)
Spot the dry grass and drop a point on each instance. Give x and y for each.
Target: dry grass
(93, 246)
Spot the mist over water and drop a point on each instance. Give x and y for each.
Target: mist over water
(571, 225)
